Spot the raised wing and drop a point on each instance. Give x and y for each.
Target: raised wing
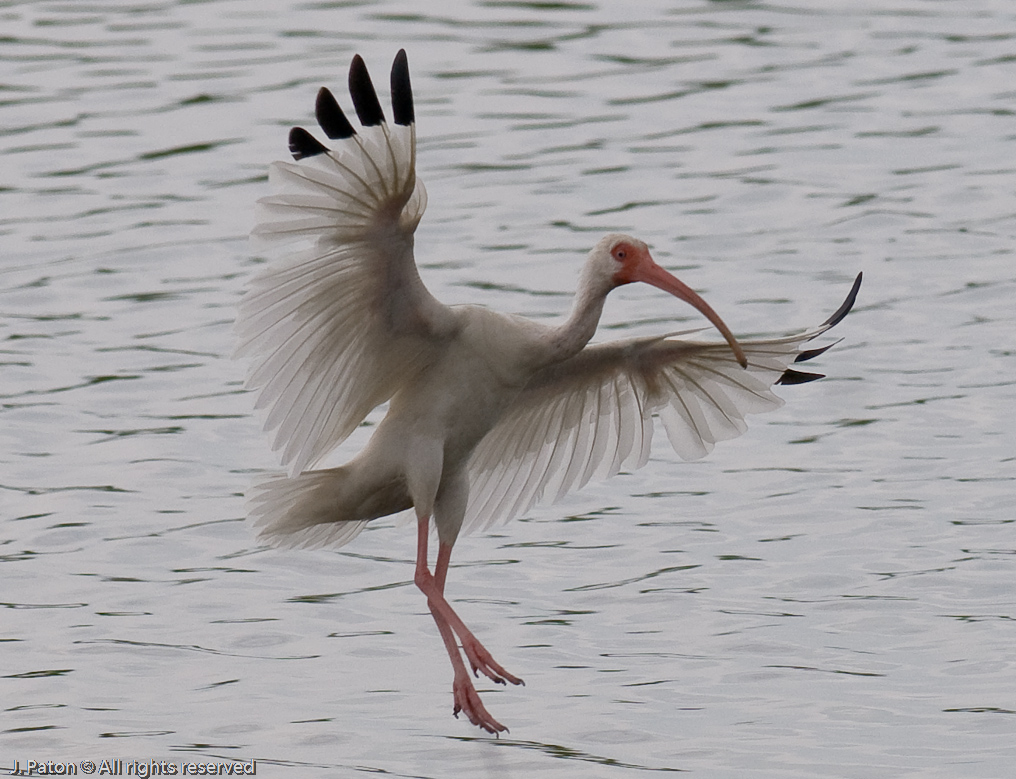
(591, 415)
(337, 325)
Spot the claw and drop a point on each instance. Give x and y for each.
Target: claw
(481, 661)
(467, 700)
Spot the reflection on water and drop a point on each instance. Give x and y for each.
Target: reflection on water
(829, 595)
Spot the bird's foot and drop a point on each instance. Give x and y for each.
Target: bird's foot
(467, 700)
(481, 661)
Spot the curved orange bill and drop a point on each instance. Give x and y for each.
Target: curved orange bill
(651, 273)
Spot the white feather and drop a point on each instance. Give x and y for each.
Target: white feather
(299, 512)
(591, 416)
(337, 325)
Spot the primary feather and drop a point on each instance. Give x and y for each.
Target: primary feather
(336, 326)
(591, 416)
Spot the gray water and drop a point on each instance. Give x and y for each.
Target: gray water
(831, 595)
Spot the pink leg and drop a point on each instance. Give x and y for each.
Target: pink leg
(466, 698)
(479, 658)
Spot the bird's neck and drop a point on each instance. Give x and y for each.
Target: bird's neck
(571, 337)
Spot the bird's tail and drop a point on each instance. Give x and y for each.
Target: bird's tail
(308, 510)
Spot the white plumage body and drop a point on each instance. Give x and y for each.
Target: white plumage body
(488, 413)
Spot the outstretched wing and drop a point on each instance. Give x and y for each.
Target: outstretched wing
(337, 325)
(592, 415)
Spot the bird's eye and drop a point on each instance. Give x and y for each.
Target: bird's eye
(620, 254)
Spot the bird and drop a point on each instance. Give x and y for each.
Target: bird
(488, 413)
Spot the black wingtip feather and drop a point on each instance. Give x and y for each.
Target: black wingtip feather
(330, 116)
(790, 376)
(809, 354)
(848, 304)
(303, 144)
(361, 89)
(402, 91)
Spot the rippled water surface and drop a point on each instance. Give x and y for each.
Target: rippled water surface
(831, 595)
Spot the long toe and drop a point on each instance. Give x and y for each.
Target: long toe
(481, 661)
(467, 700)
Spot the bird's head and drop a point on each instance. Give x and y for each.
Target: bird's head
(626, 260)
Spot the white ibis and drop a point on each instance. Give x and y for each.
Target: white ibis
(488, 413)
